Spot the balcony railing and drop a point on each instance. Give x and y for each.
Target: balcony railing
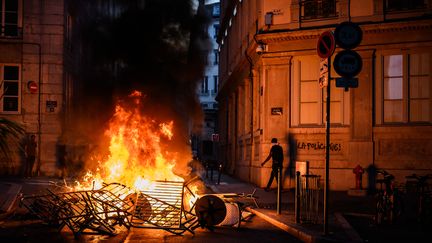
(204, 92)
(404, 5)
(317, 9)
(11, 32)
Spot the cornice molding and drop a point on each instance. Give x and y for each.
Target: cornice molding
(295, 35)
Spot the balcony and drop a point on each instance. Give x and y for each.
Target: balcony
(404, 5)
(317, 9)
(204, 93)
(10, 32)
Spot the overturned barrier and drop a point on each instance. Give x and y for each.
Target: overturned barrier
(163, 207)
(101, 211)
(167, 205)
(92, 211)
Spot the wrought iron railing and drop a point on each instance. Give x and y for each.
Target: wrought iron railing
(404, 5)
(11, 32)
(317, 9)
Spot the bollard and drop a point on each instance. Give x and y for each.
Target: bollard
(279, 189)
(220, 173)
(297, 198)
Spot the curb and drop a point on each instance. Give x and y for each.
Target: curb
(292, 230)
(355, 237)
(11, 195)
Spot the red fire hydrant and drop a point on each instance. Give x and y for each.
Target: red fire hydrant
(358, 171)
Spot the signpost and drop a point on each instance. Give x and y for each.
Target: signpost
(326, 44)
(348, 64)
(32, 86)
(325, 48)
(323, 78)
(348, 35)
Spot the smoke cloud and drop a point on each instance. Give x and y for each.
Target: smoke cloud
(157, 47)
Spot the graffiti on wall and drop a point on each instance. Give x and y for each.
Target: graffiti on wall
(318, 146)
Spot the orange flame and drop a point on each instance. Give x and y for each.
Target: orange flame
(137, 154)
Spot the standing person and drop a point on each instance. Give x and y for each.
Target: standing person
(30, 153)
(276, 153)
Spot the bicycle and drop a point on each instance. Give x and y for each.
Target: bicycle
(389, 204)
(424, 196)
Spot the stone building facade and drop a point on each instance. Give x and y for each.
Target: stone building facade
(269, 71)
(32, 71)
(205, 144)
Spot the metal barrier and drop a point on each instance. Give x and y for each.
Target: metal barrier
(167, 205)
(92, 211)
(307, 198)
(162, 207)
(101, 211)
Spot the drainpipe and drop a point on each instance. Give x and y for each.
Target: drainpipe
(251, 112)
(373, 103)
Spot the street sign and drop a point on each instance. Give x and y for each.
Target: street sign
(348, 35)
(323, 77)
(326, 44)
(32, 86)
(347, 63)
(347, 83)
(215, 137)
(276, 111)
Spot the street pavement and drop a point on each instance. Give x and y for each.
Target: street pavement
(339, 228)
(350, 217)
(17, 225)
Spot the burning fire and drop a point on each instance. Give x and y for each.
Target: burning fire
(138, 151)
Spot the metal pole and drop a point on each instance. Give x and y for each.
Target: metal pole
(297, 198)
(279, 187)
(327, 149)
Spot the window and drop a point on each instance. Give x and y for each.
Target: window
(405, 89)
(10, 18)
(309, 100)
(216, 30)
(316, 9)
(204, 85)
(216, 57)
(215, 84)
(216, 10)
(10, 88)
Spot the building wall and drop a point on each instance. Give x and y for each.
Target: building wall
(38, 51)
(206, 142)
(287, 102)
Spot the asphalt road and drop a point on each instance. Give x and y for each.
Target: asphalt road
(21, 226)
(24, 228)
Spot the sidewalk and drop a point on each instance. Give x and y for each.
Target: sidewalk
(9, 193)
(339, 229)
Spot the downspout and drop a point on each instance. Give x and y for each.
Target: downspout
(38, 164)
(373, 103)
(251, 113)
(291, 162)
